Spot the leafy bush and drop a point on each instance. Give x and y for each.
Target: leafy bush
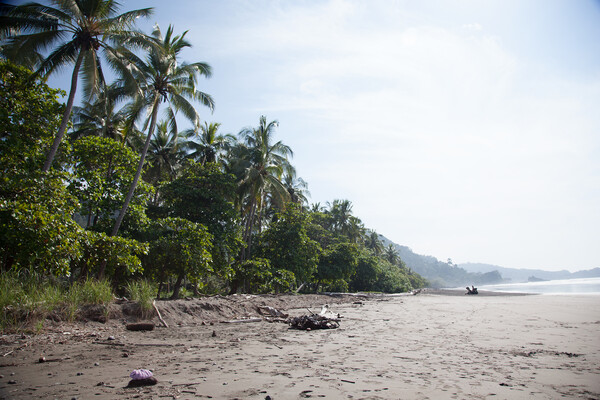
(112, 252)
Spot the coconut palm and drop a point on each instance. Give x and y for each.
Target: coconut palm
(296, 187)
(355, 230)
(165, 154)
(373, 243)
(78, 31)
(100, 117)
(206, 146)
(317, 208)
(341, 213)
(391, 254)
(260, 162)
(161, 79)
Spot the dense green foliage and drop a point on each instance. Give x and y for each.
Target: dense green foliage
(287, 246)
(163, 210)
(36, 226)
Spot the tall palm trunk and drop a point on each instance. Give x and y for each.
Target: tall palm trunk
(136, 178)
(245, 254)
(66, 115)
(140, 167)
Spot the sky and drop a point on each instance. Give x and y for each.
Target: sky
(463, 129)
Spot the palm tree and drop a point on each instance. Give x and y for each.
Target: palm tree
(165, 155)
(101, 118)
(317, 208)
(391, 254)
(261, 164)
(160, 78)
(209, 145)
(77, 30)
(296, 187)
(355, 229)
(373, 243)
(341, 212)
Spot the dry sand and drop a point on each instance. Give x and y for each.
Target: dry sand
(429, 346)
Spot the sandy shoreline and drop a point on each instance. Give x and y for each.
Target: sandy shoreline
(429, 346)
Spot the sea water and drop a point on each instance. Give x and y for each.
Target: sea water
(565, 286)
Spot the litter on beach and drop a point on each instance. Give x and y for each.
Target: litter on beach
(326, 319)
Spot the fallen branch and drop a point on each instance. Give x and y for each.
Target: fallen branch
(158, 313)
(47, 360)
(300, 287)
(240, 321)
(187, 384)
(110, 343)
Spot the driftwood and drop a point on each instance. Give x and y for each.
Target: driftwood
(273, 312)
(140, 326)
(241, 321)
(158, 313)
(110, 343)
(188, 384)
(157, 344)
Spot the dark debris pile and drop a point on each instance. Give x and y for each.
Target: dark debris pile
(313, 321)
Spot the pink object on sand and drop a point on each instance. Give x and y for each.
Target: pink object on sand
(138, 374)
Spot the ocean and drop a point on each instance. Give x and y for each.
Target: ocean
(565, 286)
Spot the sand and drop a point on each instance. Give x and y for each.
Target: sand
(428, 346)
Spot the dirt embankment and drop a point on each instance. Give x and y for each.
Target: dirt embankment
(204, 310)
(224, 308)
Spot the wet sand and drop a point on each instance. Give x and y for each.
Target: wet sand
(429, 346)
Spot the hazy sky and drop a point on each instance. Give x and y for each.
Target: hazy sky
(463, 129)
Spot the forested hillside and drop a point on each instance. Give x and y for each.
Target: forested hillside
(522, 275)
(442, 274)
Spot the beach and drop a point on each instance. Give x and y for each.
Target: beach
(434, 345)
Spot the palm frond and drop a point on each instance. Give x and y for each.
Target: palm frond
(32, 17)
(21, 47)
(128, 19)
(187, 109)
(62, 55)
(91, 74)
(71, 8)
(200, 68)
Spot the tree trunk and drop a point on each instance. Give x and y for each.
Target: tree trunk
(138, 173)
(66, 115)
(89, 219)
(136, 178)
(177, 286)
(249, 232)
(245, 252)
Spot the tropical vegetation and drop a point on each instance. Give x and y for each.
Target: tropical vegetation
(130, 199)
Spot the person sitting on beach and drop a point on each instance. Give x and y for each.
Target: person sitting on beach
(469, 291)
(474, 290)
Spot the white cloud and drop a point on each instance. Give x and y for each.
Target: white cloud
(473, 26)
(444, 139)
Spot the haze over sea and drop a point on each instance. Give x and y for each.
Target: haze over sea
(556, 287)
